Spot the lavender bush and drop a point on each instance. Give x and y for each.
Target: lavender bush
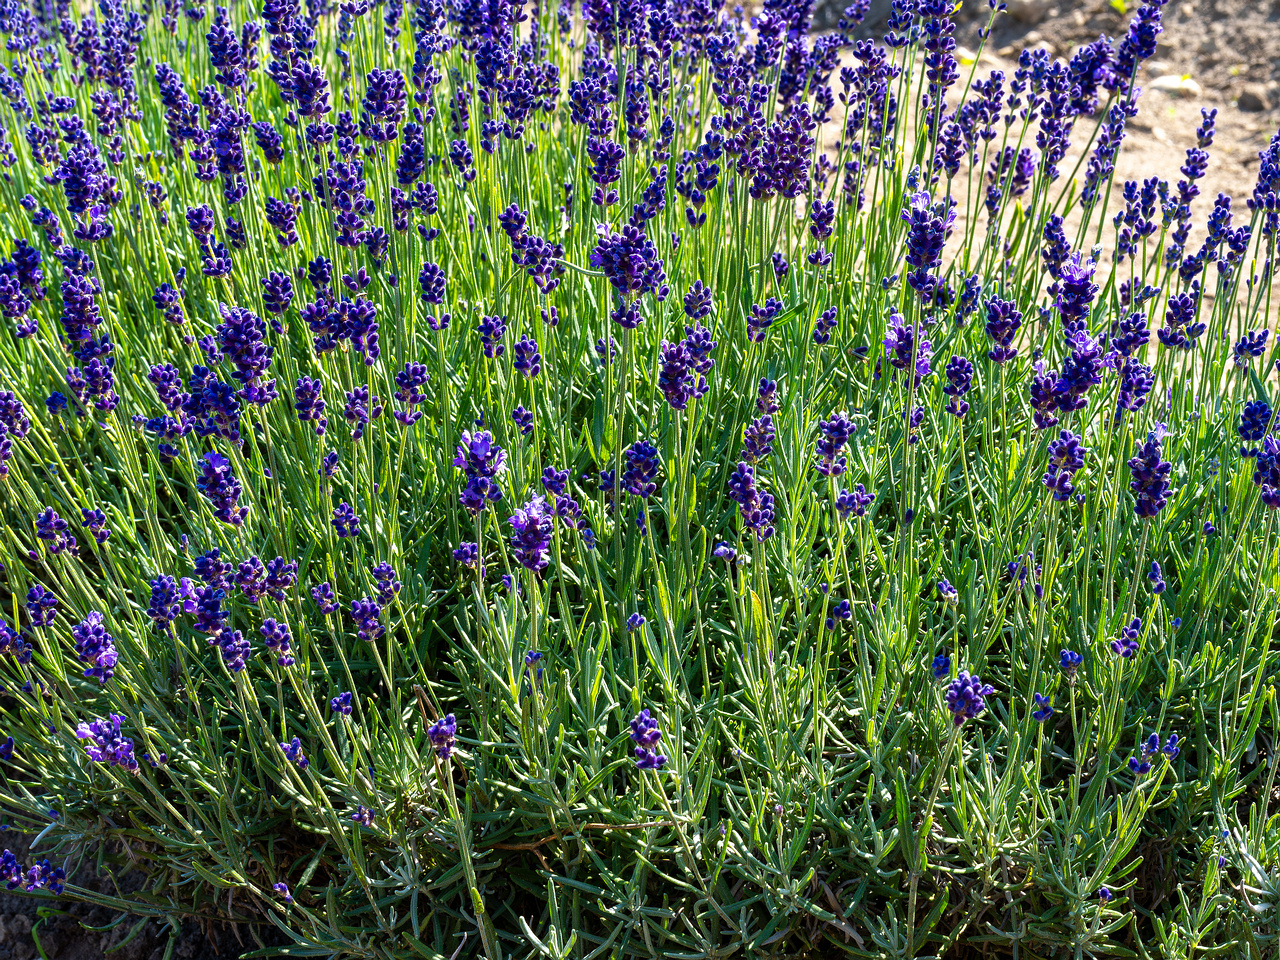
(631, 481)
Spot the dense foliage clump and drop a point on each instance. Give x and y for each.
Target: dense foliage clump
(631, 481)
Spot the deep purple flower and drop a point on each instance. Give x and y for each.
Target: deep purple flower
(52, 529)
(361, 409)
(281, 575)
(645, 733)
(1150, 484)
(698, 301)
(941, 667)
(1135, 383)
(388, 586)
(468, 554)
(482, 461)
(442, 735)
(755, 506)
(96, 521)
(839, 613)
(1156, 577)
(928, 226)
(240, 335)
(1066, 456)
(825, 324)
(277, 292)
(959, 382)
(408, 383)
(1251, 345)
(767, 396)
(367, 613)
(1126, 645)
(639, 476)
(1266, 474)
(345, 521)
(42, 606)
(1044, 708)
(854, 501)
(1073, 293)
(341, 703)
(1044, 397)
(1102, 163)
(630, 262)
(492, 330)
(1069, 662)
(1081, 369)
(13, 643)
(309, 402)
(42, 875)
(1255, 419)
(901, 346)
(528, 360)
(1139, 44)
(757, 439)
(384, 105)
(325, 598)
(835, 433)
(293, 753)
(165, 605)
(966, 697)
(761, 318)
(1003, 321)
(277, 638)
(234, 647)
(532, 529)
(220, 486)
(95, 647)
(105, 745)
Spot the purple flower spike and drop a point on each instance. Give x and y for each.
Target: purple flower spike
(966, 697)
(442, 735)
(645, 733)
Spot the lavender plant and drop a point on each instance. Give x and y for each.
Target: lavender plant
(487, 479)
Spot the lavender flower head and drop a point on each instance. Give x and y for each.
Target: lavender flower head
(532, 528)
(106, 745)
(834, 435)
(1150, 484)
(293, 753)
(928, 226)
(442, 735)
(901, 346)
(1126, 645)
(966, 697)
(645, 733)
(941, 667)
(481, 461)
(1066, 456)
(95, 647)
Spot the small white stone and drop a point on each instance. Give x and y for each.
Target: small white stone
(1029, 11)
(1176, 86)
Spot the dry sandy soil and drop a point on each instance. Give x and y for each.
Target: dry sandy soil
(1229, 51)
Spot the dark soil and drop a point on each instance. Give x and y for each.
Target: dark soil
(60, 929)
